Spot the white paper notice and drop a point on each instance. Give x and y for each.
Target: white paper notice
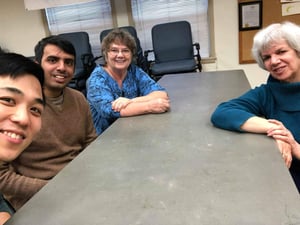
(290, 1)
(290, 8)
(250, 15)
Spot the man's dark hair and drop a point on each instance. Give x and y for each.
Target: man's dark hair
(56, 40)
(15, 65)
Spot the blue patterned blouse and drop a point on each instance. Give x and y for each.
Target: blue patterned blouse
(102, 90)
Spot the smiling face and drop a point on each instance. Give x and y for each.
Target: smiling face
(59, 69)
(118, 57)
(282, 62)
(21, 106)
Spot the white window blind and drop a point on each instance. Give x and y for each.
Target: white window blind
(42, 4)
(146, 14)
(92, 17)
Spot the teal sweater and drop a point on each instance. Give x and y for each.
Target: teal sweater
(274, 100)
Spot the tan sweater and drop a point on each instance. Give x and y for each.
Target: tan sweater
(66, 130)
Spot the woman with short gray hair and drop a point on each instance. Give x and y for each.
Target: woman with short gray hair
(272, 108)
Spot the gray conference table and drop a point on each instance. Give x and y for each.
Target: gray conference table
(173, 169)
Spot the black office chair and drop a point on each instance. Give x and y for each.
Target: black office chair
(140, 60)
(85, 61)
(173, 50)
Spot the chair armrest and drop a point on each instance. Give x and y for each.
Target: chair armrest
(146, 53)
(148, 62)
(198, 56)
(89, 62)
(197, 45)
(87, 59)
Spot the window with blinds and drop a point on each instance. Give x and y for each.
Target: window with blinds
(146, 14)
(91, 17)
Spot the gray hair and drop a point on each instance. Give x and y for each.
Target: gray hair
(274, 33)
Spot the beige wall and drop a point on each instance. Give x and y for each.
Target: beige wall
(226, 42)
(21, 29)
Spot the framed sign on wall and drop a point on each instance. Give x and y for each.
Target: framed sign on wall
(250, 15)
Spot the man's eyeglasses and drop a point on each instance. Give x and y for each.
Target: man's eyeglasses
(115, 51)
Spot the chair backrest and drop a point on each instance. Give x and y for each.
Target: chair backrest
(141, 61)
(84, 58)
(172, 41)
